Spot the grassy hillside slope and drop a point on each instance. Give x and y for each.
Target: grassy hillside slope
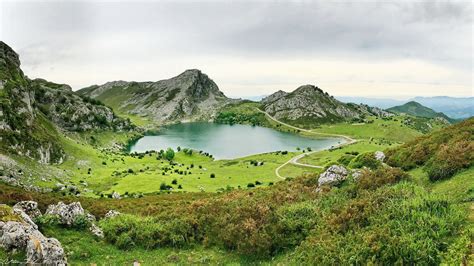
(374, 219)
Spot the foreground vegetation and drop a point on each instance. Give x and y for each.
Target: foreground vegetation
(385, 216)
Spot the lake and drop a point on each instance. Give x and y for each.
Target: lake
(228, 141)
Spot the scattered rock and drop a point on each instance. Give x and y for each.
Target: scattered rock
(95, 230)
(334, 175)
(379, 156)
(111, 214)
(21, 233)
(90, 217)
(116, 195)
(66, 213)
(29, 207)
(356, 174)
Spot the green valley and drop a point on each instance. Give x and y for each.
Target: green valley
(353, 184)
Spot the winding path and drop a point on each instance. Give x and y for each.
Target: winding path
(295, 159)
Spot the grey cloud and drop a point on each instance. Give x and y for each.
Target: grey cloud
(104, 32)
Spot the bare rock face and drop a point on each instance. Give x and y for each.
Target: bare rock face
(379, 156)
(66, 213)
(29, 207)
(273, 97)
(334, 175)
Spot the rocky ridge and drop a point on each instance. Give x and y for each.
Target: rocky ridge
(308, 103)
(32, 112)
(192, 95)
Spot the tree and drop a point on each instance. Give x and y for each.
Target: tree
(169, 155)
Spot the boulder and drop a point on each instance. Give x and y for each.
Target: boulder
(44, 251)
(39, 249)
(379, 156)
(15, 235)
(334, 175)
(66, 213)
(111, 214)
(29, 207)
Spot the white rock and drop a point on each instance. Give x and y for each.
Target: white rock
(66, 213)
(29, 207)
(39, 249)
(379, 156)
(111, 214)
(45, 251)
(334, 175)
(116, 195)
(95, 230)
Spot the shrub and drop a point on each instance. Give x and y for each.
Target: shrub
(169, 155)
(365, 160)
(380, 177)
(47, 220)
(164, 186)
(212, 175)
(81, 222)
(174, 182)
(250, 185)
(448, 160)
(295, 221)
(345, 159)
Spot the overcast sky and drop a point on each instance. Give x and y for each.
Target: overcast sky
(352, 48)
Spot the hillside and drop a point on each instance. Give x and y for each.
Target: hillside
(371, 215)
(416, 109)
(459, 108)
(308, 105)
(192, 95)
(32, 112)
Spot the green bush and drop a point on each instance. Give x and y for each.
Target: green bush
(47, 220)
(295, 221)
(380, 177)
(448, 160)
(81, 222)
(345, 159)
(365, 160)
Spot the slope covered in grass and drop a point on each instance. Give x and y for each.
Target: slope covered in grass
(442, 153)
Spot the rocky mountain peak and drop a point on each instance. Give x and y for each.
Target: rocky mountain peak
(9, 62)
(305, 89)
(8, 55)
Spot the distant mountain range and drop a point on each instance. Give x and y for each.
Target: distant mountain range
(459, 108)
